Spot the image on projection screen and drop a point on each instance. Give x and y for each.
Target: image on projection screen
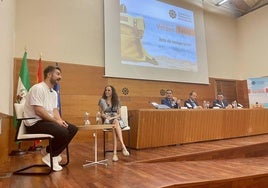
(159, 35)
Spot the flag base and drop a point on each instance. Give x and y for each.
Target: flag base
(17, 152)
(35, 148)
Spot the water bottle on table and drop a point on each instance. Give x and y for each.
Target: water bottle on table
(86, 120)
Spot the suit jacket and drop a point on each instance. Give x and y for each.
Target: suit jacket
(217, 103)
(169, 102)
(190, 103)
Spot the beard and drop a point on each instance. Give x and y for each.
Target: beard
(54, 81)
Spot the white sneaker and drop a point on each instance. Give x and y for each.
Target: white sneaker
(59, 158)
(44, 152)
(56, 166)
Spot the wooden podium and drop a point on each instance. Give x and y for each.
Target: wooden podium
(163, 127)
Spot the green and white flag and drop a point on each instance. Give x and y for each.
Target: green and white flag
(23, 85)
(24, 81)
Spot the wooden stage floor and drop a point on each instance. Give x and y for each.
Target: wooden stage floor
(239, 162)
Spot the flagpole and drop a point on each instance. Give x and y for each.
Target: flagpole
(22, 89)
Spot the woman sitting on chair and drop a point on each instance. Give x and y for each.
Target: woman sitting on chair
(111, 114)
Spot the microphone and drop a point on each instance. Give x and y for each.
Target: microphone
(51, 90)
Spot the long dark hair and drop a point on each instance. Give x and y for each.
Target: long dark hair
(114, 99)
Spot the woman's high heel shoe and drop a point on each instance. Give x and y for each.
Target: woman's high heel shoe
(125, 152)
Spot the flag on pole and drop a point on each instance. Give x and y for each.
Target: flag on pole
(39, 71)
(57, 89)
(24, 80)
(39, 78)
(23, 84)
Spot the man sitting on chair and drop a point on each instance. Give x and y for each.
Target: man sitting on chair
(192, 103)
(171, 101)
(41, 103)
(220, 102)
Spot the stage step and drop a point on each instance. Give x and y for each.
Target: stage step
(244, 147)
(238, 162)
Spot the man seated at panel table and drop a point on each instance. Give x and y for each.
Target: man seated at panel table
(171, 101)
(192, 103)
(220, 102)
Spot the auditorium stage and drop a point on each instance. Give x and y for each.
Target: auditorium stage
(238, 162)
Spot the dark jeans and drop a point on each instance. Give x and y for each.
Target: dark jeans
(62, 135)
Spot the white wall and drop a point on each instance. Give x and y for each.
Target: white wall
(222, 46)
(72, 32)
(253, 44)
(7, 28)
(69, 31)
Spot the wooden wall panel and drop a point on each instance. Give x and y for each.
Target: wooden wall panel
(82, 80)
(242, 92)
(228, 88)
(75, 106)
(82, 86)
(4, 139)
(141, 92)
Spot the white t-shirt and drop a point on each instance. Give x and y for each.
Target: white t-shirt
(40, 95)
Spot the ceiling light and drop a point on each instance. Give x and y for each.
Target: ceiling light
(221, 2)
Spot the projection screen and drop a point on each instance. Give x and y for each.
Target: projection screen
(155, 40)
